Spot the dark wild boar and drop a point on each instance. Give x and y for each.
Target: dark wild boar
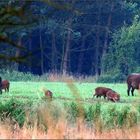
(5, 85)
(101, 91)
(133, 82)
(113, 96)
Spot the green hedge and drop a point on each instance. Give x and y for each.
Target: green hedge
(21, 76)
(111, 78)
(14, 110)
(99, 115)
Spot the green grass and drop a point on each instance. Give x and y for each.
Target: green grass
(32, 90)
(127, 111)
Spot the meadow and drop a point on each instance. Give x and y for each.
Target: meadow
(33, 90)
(71, 102)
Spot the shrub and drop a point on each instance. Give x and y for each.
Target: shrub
(93, 114)
(111, 78)
(112, 120)
(137, 70)
(21, 76)
(89, 114)
(72, 112)
(45, 113)
(15, 110)
(122, 115)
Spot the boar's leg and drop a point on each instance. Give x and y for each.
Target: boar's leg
(128, 90)
(8, 89)
(98, 96)
(132, 91)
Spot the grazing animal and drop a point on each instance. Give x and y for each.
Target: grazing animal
(113, 96)
(101, 91)
(5, 85)
(133, 82)
(48, 93)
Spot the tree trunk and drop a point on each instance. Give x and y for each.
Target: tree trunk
(62, 58)
(97, 67)
(54, 56)
(66, 53)
(107, 29)
(41, 51)
(30, 48)
(17, 54)
(81, 56)
(105, 46)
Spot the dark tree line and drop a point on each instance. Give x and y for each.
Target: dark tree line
(78, 37)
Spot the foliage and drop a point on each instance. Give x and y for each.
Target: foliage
(43, 27)
(110, 120)
(127, 117)
(13, 109)
(95, 115)
(17, 76)
(123, 117)
(89, 114)
(25, 98)
(72, 112)
(112, 77)
(123, 54)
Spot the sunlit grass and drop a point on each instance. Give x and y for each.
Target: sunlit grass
(64, 93)
(34, 90)
(62, 130)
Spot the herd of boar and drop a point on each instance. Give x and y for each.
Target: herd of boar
(133, 82)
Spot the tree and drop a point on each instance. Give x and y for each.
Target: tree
(18, 15)
(63, 36)
(123, 54)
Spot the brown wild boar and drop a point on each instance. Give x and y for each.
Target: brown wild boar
(101, 91)
(5, 85)
(48, 93)
(113, 96)
(133, 82)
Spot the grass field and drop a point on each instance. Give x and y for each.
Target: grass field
(99, 112)
(33, 90)
(63, 94)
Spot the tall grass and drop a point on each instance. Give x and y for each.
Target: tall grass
(13, 75)
(52, 119)
(63, 130)
(67, 120)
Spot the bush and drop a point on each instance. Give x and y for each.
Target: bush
(15, 110)
(89, 114)
(48, 113)
(137, 70)
(93, 114)
(128, 116)
(21, 76)
(111, 78)
(72, 112)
